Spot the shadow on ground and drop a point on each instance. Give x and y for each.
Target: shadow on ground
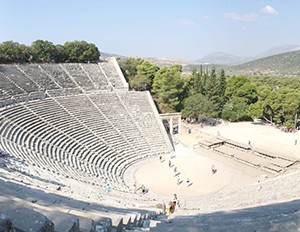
(273, 217)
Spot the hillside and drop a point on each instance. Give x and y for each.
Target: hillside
(278, 50)
(284, 64)
(222, 58)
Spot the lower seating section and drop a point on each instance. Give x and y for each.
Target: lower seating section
(48, 131)
(96, 134)
(43, 202)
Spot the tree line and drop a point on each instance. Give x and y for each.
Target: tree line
(201, 94)
(43, 51)
(204, 93)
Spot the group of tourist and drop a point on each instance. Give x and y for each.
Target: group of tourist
(176, 172)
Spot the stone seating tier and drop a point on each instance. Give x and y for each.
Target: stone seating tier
(59, 115)
(22, 81)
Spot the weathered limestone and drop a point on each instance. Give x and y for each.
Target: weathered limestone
(5, 223)
(101, 225)
(24, 219)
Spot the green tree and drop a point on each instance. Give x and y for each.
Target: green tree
(60, 55)
(168, 86)
(241, 93)
(291, 109)
(212, 86)
(256, 110)
(145, 73)
(236, 110)
(81, 51)
(241, 87)
(221, 91)
(196, 81)
(205, 81)
(128, 66)
(222, 84)
(13, 52)
(43, 51)
(197, 106)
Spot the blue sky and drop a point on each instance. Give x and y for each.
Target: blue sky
(187, 29)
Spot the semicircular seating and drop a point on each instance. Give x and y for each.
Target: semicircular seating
(78, 120)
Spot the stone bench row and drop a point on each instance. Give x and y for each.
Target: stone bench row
(69, 166)
(20, 79)
(49, 142)
(52, 149)
(144, 116)
(25, 219)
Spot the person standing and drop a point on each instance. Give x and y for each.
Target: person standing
(187, 182)
(213, 169)
(134, 187)
(107, 188)
(173, 203)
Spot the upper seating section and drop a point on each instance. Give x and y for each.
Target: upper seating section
(14, 81)
(97, 76)
(17, 79)
(78, 75)
(60, 76)
(39, 76)
(114, 74)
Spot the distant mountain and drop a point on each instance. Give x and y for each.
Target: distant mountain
(162, 61)
(278, 50)
(284, 64)
(221, 58)
(230, 59)
(281, 60)
(106, 54)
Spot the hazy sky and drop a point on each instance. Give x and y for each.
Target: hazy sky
(187, 29)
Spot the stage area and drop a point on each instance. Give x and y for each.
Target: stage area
(195, 167)
(195, 164)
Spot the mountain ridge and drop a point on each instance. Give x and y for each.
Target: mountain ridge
(230, 59)
(283, 64)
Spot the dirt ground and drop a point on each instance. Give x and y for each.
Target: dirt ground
(195, 165)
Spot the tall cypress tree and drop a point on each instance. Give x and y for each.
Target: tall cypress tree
(205, 81)
(196, 82)
(212, 86)
(222, 89)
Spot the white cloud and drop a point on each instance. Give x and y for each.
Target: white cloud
(206, 17)
(268, 9)
(187, 22)
(245, 17)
